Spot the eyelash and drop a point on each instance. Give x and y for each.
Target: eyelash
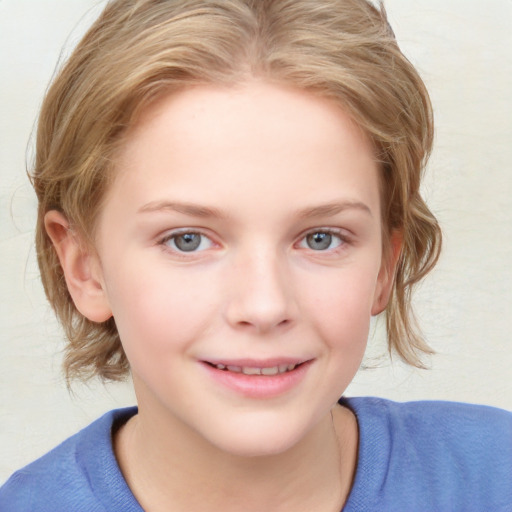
(171, 237)
(331, 232)
(302, 242)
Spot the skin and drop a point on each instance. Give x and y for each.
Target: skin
(252, 170)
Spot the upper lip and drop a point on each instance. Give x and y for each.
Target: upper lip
(256, 363)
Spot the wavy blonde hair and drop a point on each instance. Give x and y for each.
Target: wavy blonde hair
(139, 50)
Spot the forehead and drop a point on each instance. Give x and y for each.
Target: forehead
(249, 139)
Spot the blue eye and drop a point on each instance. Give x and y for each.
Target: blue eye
(321, 241)
(189, 241)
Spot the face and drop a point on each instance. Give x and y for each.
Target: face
(240, 253)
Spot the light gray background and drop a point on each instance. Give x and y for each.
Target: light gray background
(463, 48)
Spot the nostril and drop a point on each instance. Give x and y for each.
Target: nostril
(262, 325)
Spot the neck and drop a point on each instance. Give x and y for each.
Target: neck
(165, 466)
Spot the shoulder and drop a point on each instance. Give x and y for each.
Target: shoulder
(65, 478)
(443, 420)
(447, 454)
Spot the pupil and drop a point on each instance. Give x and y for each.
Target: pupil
(319, 241)
(188, 241)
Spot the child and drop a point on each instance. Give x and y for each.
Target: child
(228, 191)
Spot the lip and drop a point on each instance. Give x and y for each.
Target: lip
(257, 363)
(257, 386)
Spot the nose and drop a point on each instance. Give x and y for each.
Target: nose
(260, 293)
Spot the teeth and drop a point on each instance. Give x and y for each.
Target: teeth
(246, 370)
(251, 371)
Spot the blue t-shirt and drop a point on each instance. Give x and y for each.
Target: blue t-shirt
(414, 457)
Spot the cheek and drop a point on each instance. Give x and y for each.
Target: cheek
(341, 308)
(158, 310)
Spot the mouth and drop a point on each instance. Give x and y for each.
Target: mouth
(258, 379)
(268, 371)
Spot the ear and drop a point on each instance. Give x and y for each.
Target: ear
(386, 275)
(81, 268)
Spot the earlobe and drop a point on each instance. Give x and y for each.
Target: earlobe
(81, 268)
(386, 276)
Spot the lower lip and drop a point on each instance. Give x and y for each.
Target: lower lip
(259, 386)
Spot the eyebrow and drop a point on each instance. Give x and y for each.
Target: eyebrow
(190, 209)
(333, 208)
(194, 210)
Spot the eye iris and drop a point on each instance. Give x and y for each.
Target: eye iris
(319, 241)
(188, 241)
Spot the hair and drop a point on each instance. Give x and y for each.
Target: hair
(139, 50)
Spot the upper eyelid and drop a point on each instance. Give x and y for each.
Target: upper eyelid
(171, 233)
(343, 233)
(174, 233)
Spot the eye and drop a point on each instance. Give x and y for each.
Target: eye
(188, 241)
(322, 240)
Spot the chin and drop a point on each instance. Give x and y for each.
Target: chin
(260, 447)
(258, 439)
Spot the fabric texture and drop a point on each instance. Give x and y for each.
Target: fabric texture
(416, 456)
(431, 456)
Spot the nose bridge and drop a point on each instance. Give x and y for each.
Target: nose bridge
(261, 292)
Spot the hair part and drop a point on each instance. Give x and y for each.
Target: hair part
(139, 50)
